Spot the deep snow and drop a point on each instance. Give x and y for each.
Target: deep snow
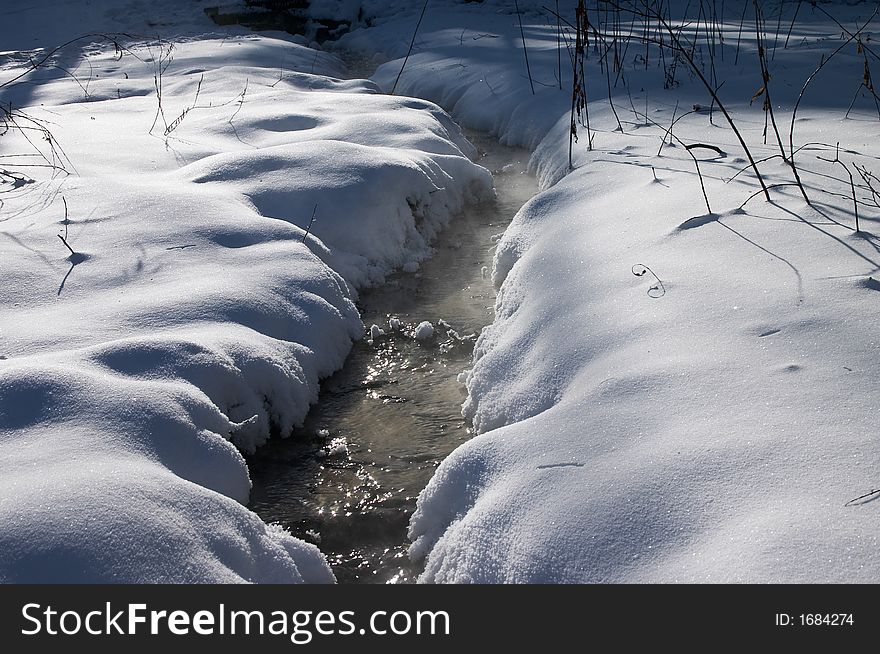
(667, 394)
(709, 423)
(211, 285)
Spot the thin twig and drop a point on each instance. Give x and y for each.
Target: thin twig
(411, 44)
(240, 102)
(695, 160)
(707, 146)
(309, 228)
(66, 221)
(176, 123)
(525, 49)
(63, 240)
(679, 48)
(862, 497)
(760, 191)
(851, 181)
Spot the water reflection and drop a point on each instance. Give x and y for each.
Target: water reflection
(348, 480)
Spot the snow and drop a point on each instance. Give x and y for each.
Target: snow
(667, 394)
(216, 264)
(424, 331)
(347, 10)
(337, 447)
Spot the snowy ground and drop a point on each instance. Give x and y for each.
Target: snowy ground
(668, 393)
(216, 239)
(707, 424)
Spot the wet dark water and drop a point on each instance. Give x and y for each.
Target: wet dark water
(349, 479)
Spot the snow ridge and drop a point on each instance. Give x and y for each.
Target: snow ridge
(713, 432)
(215, 269)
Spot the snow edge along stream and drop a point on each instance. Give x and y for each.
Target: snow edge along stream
(710, 422)
(206, 308)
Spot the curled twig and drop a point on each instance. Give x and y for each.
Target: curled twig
(656, 290)
(714, 148)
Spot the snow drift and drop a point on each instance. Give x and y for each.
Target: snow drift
(213, 244)
(667, 393)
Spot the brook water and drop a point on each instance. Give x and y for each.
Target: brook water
(349, 479)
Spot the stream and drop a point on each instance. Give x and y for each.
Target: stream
(349, 478)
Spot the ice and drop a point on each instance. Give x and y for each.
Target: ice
(424, 331)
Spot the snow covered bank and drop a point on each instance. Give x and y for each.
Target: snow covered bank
(468, 60)
(668, 393)
(219, 200)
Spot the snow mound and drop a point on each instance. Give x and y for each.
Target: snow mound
(215, 264)
(714, 434)
(670, 391)
(424, 331)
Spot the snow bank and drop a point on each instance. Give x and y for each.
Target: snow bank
(667, 393)
(211, 285)
(711, 434)
(468, 60)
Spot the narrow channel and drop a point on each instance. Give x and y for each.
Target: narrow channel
(349, 479)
